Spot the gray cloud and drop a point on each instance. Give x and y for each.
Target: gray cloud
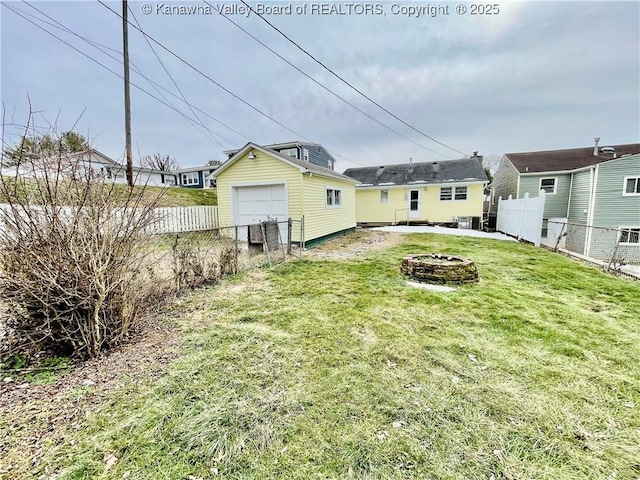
(537, 76)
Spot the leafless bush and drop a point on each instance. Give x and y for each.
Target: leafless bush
(202, 258)
(73, 250)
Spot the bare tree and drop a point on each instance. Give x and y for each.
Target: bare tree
(160, 162)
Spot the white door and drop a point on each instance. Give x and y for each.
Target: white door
(414, 203)
(259, 203)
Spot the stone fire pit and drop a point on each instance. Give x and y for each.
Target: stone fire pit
(439, 268)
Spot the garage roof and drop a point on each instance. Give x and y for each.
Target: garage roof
(304, 167)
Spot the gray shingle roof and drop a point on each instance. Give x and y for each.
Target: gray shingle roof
(448, 171)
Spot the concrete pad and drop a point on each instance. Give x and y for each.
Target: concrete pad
(430, 286)
(460, 232)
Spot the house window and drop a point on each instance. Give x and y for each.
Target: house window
(631, 186)
(461, 193)
(384, 196)
(446, 193)
(630, 236)
(548, 185)
(305, 154)
(334, 197)
(289, 152)
(190, 178)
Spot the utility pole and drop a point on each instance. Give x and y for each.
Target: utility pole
(127, 94)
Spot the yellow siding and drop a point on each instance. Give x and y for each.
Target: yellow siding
(432, 209)
(306, 195)
(370, 210)
(321, 220)
(262, 169)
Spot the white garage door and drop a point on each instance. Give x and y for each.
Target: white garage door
(261, 202)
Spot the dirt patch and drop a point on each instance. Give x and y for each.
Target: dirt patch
(33, 413)
(355, 245)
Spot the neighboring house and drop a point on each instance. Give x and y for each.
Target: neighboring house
(308, 152)
(258, 183)
(92, 164)
(584, 186)
(444, 192)
(196, 177)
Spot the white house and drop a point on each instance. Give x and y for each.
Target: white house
(90, 164)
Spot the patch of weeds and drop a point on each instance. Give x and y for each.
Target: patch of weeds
(48, 371)
(78, 393)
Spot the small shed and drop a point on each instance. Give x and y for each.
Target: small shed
(257, 184)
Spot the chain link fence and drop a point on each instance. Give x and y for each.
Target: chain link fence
(192, 259)
(617, 250)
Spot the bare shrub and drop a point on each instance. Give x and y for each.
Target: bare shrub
(73, 252)
(202, 258)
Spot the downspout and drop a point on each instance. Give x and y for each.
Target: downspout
(569, 202)
(592, 204)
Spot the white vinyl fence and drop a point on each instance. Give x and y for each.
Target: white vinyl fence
(185, 219)
(166, 219)
(522, 217)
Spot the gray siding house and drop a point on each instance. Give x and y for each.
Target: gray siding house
(584, 186)
(305, 151)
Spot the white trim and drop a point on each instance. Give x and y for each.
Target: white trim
(453, 193)
(592, 205)
(555, 184)
(570, 193)
(413, 213)
(457, 183)
(635, 244)
(333, 188)
(518, 188)
(624, 186)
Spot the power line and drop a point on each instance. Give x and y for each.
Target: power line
(346, 82)
(209, 78)
(174, 82)
(208, 132)
(22, 15)
(155, 85)
(95, 61)
(237, 97)
(321, 85)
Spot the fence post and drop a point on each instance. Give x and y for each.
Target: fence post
(615, 249)
(236, 250)
(289, 235)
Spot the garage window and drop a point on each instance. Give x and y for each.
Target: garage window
(334, 198)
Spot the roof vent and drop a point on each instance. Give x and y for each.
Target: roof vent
(595, 149)
(608, 150)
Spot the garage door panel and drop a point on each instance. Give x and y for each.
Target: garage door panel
(244, 194)
(259, 203)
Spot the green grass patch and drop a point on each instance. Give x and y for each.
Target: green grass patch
(163, 196)
(337, 369)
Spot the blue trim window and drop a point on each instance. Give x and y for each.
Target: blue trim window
(190, 178)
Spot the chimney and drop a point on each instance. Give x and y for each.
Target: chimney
(410, 164)
(475, 154)
(595, 149)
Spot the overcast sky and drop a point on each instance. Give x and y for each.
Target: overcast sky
(531, 76)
